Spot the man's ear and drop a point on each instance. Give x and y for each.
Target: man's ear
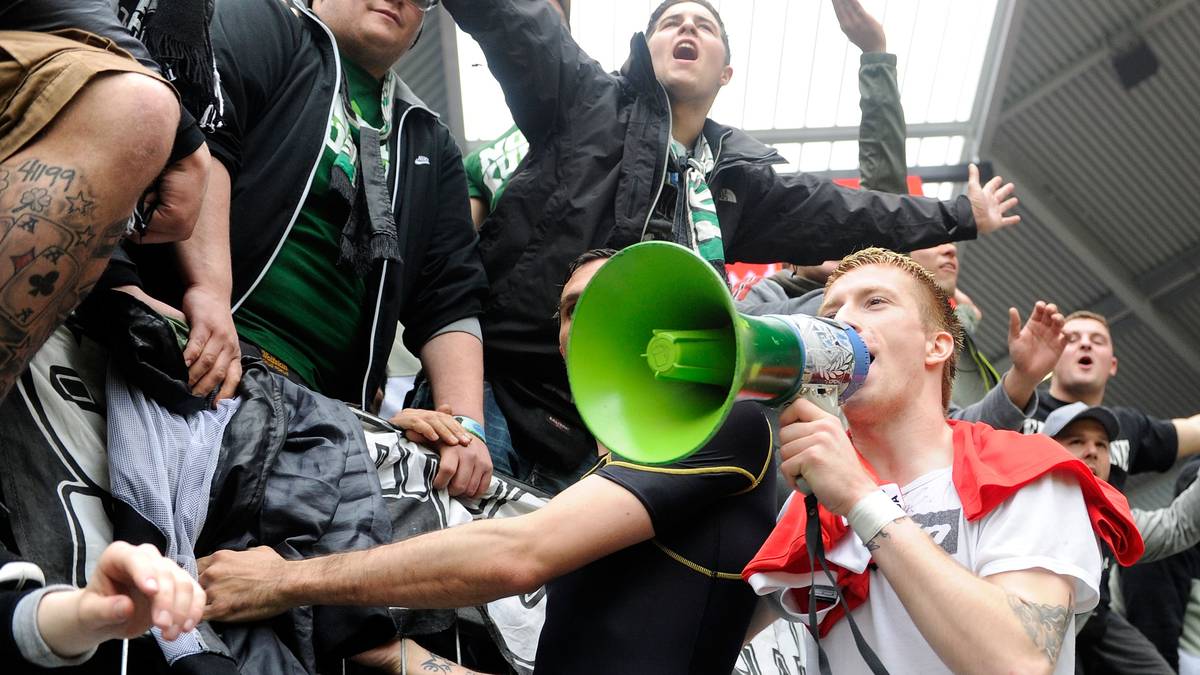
(726, 75)
(939, 348)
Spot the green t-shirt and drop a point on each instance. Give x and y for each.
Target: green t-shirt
(489, 168)
(307, 311)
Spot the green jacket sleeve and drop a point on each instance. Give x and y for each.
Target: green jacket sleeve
(881, 133)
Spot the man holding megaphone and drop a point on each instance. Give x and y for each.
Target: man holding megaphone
(620, 158)
(954, 547)
(642, 562)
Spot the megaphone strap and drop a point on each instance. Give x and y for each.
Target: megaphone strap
(816, 549)
(695, 567)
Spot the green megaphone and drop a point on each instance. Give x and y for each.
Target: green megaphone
(658, 354)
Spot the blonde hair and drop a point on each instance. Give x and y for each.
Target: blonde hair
(1085, 314)
(936, 313)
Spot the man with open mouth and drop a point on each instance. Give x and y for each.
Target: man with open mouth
(1141, 443)
(618, 158)
(1087, 363)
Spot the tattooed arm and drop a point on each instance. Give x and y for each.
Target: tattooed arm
(1009, 622)
(402, 655)
(53, 250)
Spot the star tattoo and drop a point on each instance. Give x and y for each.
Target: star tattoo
(80, 204)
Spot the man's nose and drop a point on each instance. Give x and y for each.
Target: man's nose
(845, 316)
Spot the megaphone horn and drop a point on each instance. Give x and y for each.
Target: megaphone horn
(658, 354)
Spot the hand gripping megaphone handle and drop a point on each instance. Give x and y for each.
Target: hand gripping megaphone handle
(800, 485)
(825, 398)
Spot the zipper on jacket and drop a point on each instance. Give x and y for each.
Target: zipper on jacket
(666, 158)
(737, 162)
(371, 337)
(720, 148)
(383, 272)
(337, 83)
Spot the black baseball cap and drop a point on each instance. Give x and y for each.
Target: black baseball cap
(1061, 418)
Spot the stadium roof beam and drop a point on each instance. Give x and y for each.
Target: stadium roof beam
(990, 95)
(1103, 264)
(850, 133)
(1087, 61)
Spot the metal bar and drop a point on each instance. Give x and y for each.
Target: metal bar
(1174, 277)
(448, 39)
(950, 173)
(850, 133)
(1104, 265)
(996, 67)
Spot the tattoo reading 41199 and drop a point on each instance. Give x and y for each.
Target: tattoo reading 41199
(33, 170)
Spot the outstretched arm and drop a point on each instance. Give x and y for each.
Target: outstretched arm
(458, 567)
(807, 221)
(1188, 429)
(1171, 529)
(532, 55)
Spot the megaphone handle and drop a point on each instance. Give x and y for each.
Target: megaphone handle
(825, 398)
(800, 485)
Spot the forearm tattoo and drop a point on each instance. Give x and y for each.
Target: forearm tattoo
(436, 664)
(873, 544)
(1046, 625)
(52, 250)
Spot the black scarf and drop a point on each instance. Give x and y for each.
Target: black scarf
(176, 34)
(370, 231)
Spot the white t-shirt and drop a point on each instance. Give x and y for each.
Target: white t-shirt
(1044, 525)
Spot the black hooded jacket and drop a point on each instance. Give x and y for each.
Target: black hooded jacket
(598, 154)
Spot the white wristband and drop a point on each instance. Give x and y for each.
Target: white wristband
(872, 513)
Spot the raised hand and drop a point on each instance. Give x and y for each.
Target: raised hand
(1036, 347)
(990, 203)
(863, 29)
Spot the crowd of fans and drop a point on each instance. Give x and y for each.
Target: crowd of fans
(223, 220)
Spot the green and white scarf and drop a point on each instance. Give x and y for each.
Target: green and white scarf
(703, 230)
(370, 231)
(345, 118)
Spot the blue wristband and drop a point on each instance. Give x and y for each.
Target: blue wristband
(471, 427)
